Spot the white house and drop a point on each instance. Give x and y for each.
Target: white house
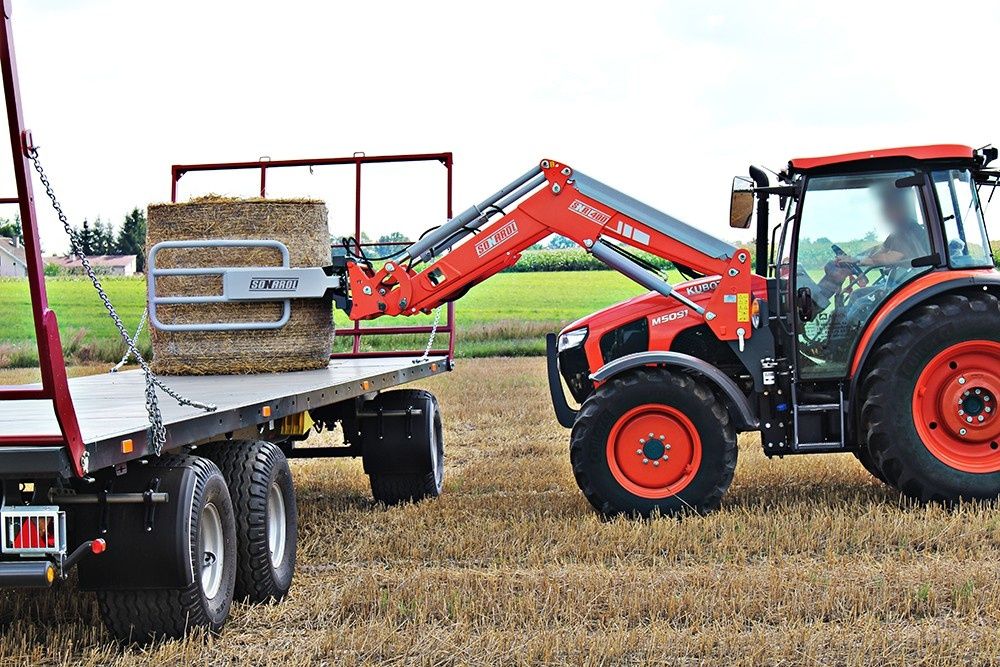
(12, 259)
(115, 265)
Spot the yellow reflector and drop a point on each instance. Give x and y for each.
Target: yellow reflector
(266, 411)
(50, 574)
(365, 385)
(127, 446)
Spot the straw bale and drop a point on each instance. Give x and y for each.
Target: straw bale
(303, 343)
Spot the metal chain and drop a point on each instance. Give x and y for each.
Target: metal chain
(430, 339)
(135, 339)
(157, 432)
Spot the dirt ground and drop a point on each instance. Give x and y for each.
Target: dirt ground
(810, 562)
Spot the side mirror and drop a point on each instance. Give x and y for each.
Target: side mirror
(741, 203)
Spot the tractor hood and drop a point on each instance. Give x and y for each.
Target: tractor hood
(698, 290)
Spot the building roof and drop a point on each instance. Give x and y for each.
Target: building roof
(932, 152)
(15, 250)
(109, 261)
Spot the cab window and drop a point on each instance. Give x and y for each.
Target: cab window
(858, 235)
(964, 230)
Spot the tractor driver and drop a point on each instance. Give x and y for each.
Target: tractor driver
(907, 240)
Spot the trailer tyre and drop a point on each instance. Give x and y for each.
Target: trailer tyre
(929, 400)
(140, 616)
(424, 478)
(653, 441)
(260, 484)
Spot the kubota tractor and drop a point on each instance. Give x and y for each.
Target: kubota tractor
(865, 320)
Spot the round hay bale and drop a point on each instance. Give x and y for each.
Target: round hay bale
(303, 343)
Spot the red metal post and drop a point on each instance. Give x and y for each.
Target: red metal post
(356, 345)
(55, 387)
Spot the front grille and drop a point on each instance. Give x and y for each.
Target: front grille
(33, 530)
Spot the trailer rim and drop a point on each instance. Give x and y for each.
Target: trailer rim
(277, 528)
(213, 550)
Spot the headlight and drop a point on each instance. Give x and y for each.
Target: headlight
(572, 339)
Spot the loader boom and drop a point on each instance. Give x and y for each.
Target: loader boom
(554, 199)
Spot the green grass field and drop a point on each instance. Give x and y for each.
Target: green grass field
(507, 315)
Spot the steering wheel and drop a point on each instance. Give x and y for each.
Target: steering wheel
(858, 277)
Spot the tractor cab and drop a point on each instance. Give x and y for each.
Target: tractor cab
(863, 237)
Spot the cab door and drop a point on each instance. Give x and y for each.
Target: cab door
(855, 243)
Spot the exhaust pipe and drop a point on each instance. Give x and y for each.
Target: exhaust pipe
(27, 574)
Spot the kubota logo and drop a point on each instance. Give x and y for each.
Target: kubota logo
(670, 317)
(589, 212)
(703, 287)
(496, 238)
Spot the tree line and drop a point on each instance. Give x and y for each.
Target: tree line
(99, 237)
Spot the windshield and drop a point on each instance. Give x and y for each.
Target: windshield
(965, 232)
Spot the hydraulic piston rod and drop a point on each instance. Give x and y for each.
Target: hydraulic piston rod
(604, 252)
(472, 214)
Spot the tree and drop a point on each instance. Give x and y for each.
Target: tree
(83, 237)
(103, 238)
(560, 243)
(12, 229)
(132, 238)
(390, 242)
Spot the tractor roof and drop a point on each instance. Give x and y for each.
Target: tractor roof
(932, 152)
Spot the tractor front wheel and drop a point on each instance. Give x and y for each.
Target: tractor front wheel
(653, 441)
(930, 398)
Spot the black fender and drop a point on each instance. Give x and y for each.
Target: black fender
(986, 281)
(739, 407)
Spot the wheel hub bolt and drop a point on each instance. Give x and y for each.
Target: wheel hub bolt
(962, 431)
(639, 452)
(981, 418)
(645, 461)
(961, 380)
(656, 463)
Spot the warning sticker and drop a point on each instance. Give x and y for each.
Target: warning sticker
(742, 307)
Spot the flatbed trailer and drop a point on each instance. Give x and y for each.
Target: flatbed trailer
(172, 506)
(110, 409)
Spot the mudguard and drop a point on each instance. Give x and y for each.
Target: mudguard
(739, 407)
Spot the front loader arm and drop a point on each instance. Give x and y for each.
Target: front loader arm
(553, 200)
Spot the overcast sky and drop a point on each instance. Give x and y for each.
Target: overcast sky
(665, 101)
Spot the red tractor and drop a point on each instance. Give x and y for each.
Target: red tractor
(866, 320)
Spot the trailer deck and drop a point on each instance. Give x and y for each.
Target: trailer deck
(111, 407)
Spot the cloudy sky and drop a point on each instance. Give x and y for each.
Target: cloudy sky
(665, 101)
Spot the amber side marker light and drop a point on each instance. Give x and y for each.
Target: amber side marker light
(127, 446)
(266, 411)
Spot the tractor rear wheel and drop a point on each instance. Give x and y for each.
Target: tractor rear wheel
(930, 396)
(653, 441)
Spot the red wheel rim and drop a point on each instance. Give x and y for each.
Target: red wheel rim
(955, 406)
(654, 451)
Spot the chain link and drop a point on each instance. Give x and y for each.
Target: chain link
(430, 339)
(135, 339)
(157, 432)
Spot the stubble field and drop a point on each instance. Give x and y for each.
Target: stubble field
(810, 562)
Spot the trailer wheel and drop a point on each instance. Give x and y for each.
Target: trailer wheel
(420, 446)
(140, 616)
(260, 484)
(653, 441)
(930, 401)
